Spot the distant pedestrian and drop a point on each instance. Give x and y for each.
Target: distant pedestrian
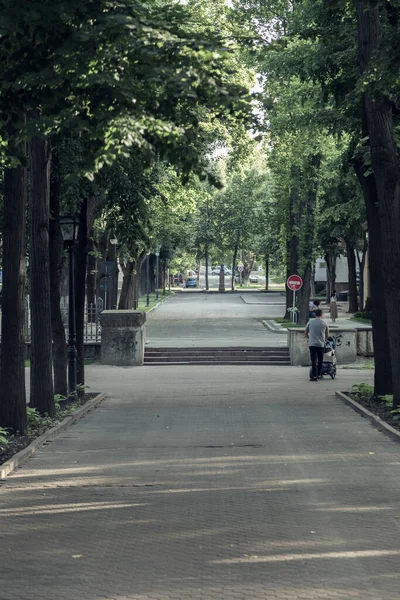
(333, 306)
(311, 308)
(317, 331)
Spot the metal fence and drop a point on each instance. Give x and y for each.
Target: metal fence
(92, 328)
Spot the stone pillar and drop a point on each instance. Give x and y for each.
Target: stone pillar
(122, 337)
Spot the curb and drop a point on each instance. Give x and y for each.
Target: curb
(50, 435)
(274, 327)
(375, 420)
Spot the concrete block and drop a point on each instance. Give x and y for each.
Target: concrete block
(365, 342)
(346, 346)
(122, 337)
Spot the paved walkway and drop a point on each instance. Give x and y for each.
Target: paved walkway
(207, 483)
(197, 319)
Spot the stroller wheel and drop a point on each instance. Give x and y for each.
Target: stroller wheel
(333, 373)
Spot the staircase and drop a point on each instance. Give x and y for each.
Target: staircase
(217, 356)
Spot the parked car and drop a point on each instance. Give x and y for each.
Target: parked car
(191, 282)
(253, 279)
(216, 271)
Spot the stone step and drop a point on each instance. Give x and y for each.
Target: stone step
(205, 357)
(198, 363)
(282, 349)
(233, 355)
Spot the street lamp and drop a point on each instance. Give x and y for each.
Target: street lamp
(148, 279)
(114, 279)
(69, 229)
(157, 255)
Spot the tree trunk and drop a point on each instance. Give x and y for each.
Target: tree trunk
(304, 296)
(12, 373)
(127, 283)
(330, 259)
(91, 278)
(293, 241)
(56, 261)
(80, 293)
(42, 393)
(383, 369)
(351, 264)
(361, 265)
(386, 166)
(266, 273)
(234, 261)
(312, 282)
(306, 243)
(207, 261)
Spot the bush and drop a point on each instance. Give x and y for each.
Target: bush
(366, 313)
(3, 437)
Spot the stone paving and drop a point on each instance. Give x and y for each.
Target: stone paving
(198, 319)
(207, 483)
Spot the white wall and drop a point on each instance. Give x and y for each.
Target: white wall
(342, 272)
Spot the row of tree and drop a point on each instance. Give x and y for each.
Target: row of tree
(329, 72)
(96, 100)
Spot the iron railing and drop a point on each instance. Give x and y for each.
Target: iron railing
(92, 328)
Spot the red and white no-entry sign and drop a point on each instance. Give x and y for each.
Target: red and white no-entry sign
(295, 283)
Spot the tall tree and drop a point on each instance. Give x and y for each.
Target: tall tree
(13, 347)
(42, 395)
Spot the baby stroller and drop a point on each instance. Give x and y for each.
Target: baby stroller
(329, 362)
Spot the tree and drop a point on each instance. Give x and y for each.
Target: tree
(12, 373)
(135, 74)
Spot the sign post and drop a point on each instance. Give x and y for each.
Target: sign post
(294, 283)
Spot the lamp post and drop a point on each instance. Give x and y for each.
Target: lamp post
(114, 278)
(157, 255)
(148, 279)
(69, 229)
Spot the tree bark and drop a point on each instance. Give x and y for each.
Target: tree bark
(91, 277)
(306, 243)
(266, 273)
(386, 166)
(351, 264)
(304, 295)
(206, 274)
(361, 266)
(56, 262)
(42, 393)
(80, 292)
(12, 373)
(383, 368)
(234, 261)
(127, 284)
(330, 260)
(293, 241)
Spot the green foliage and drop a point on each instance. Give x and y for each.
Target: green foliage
(3, 437)
(367, 312)
(36, 423)
(362, 391)
(128, 73)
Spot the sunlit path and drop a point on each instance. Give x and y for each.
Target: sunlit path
(207, 483)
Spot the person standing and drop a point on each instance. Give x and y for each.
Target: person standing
(333, 306)
(317, 332)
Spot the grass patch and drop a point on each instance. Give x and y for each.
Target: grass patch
(361, 320)
(286, 323)
(382, 406)
(153, 301)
